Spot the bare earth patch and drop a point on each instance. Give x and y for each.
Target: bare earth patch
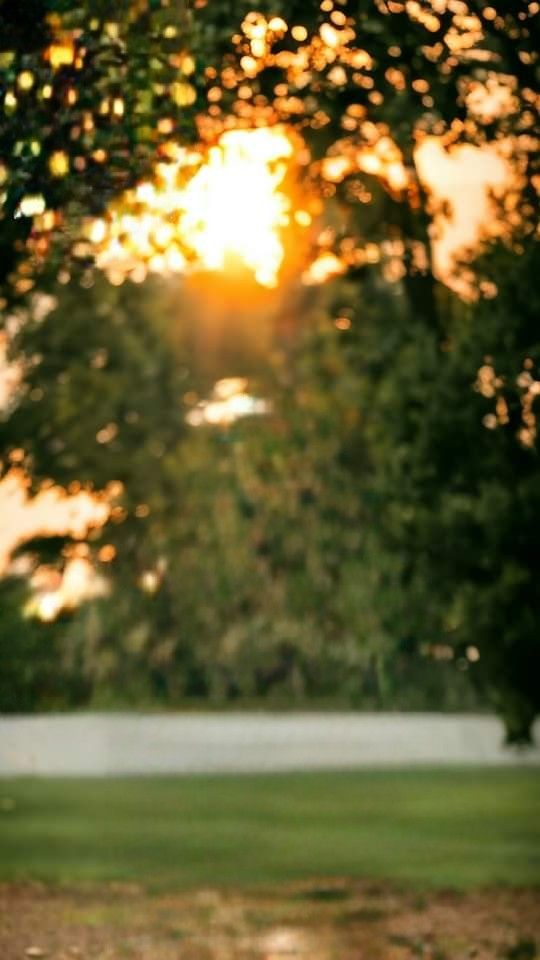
(325, 921)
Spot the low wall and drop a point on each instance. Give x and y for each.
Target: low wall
(131, 743)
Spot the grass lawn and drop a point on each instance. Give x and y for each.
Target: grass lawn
(432, 828)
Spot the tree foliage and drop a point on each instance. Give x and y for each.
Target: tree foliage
(89, 97)
(383, 513)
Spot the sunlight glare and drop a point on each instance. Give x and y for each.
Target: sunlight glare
(214, 210)
(234, 209)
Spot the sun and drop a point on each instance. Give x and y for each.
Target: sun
(213, 210)
(234, 208)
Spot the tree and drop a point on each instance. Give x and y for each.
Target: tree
(361, 81)
(462, 487)
(32, 677)
(447, 472)
(416, 75)
(88, 99)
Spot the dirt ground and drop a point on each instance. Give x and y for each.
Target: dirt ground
(324, 921)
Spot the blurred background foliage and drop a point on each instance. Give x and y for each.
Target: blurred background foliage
(361, 544)
(370, 540)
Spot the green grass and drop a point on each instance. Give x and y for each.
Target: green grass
(444, 828)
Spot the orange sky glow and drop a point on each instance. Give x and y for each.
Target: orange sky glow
(51, 512)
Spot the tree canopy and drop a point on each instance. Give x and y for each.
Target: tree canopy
(381, 513)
